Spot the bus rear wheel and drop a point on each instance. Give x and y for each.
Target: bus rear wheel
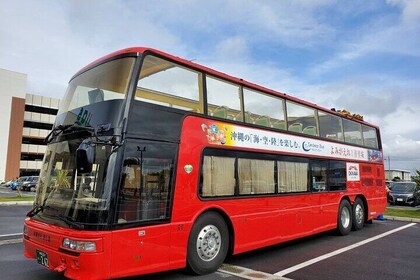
(358, 214)
(208, 244)
(344, 219)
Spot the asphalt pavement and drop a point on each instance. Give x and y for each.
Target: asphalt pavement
(383, 250)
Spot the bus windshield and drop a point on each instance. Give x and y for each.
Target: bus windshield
(73, 199)
(107, 81)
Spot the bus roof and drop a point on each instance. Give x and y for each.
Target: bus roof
(201, 68)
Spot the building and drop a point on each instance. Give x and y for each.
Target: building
(26, 120)
(404, 175)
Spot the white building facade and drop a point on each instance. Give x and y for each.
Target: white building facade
(25, 121)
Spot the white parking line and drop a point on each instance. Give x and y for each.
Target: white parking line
(11, 234)
(334, 253)
(249, 274)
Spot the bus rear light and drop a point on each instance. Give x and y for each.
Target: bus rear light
(77, 245)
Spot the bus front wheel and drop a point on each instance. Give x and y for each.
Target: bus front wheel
(344, 219)
(208, 244)
(358, 214)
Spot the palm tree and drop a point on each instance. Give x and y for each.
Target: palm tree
(416, 178)
(61, 180)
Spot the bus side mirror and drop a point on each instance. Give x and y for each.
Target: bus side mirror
(85, 155)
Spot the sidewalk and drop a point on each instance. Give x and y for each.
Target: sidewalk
(402, 219)
(13, 203)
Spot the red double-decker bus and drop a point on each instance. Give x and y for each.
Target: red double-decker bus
(157, 163)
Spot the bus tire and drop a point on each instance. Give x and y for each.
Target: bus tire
(344, 221)
(208, 244)
(358, 214)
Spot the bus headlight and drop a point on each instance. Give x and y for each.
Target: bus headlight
(78, 245)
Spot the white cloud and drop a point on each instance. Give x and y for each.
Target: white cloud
(391, 35)
(51, 40)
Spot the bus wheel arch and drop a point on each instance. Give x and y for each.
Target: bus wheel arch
(344, 217)
(359, 213)
(209, 242)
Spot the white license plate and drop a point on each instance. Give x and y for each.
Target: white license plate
(399, 199)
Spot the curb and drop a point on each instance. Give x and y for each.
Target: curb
(402, 219)
(16, 203)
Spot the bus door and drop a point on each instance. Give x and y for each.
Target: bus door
(143, 207)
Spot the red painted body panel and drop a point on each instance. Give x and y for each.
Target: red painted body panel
(256, 222)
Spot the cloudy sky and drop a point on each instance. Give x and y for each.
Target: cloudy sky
(360, 55)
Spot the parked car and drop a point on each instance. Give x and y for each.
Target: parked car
(20, 181)
(7, 184)
(30, 184)
(17, 183)
(404, 193)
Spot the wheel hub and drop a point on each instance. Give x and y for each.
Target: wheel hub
(345, 217)
(208, 243)
(359, 214)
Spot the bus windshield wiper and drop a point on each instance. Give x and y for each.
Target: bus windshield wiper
(69, 221)
(62, 128)
(37, 208)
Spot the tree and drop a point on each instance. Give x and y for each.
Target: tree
(61, 180)
(396, 179)
(416, 178)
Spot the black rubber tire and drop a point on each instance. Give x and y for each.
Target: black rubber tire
(195, 263)
(358, 222)
(344, 225)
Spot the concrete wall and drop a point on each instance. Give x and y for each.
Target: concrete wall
(404, 175)
(11, 84)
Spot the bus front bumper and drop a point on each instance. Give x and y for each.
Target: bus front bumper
(74, 265)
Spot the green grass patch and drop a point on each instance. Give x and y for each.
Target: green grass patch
(17, 198)
(403, 213)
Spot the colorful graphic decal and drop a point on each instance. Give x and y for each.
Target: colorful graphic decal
(218, 133)
(188, 168)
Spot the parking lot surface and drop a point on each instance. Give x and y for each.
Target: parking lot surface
(382, 250)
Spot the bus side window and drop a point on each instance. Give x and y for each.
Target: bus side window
(223, 98)
(265, 110)
(129, 191)
(330, 126)
(218, 176)
(146, 182)
(301, 119)
(168, 84)
(336, 175)
(319, 175)
(352, 132)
